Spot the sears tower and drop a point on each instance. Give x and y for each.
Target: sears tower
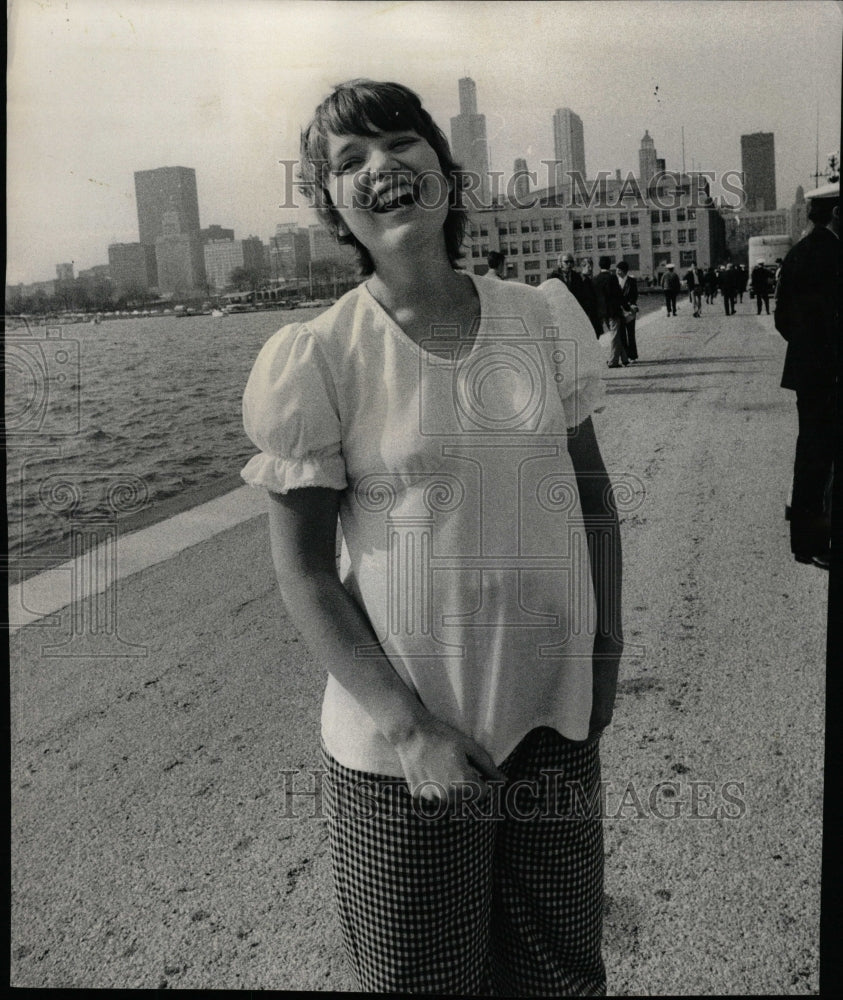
(468, 139)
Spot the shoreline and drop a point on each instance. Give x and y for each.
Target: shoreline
(43, 559)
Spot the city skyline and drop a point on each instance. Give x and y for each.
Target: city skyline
(96, 95)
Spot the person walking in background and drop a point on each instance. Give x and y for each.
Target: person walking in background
(761, 286)
(437, 701)
(726, 285)
(734, 278)
(610, 311)
(694, 279)
(629, 303)
(807, 316)
(589, 297)
(670, 285)
(710, 285)
(576, 285)
(497, 265)
(741, 278)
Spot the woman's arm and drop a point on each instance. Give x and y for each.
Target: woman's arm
(604, 548)
(302, 527)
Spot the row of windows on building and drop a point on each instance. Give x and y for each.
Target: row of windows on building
(665, 238)
(546, 225)
(606, 241)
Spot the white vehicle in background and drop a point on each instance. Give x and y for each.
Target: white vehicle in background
(766, 249)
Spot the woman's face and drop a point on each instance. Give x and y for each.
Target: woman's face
(387, 189)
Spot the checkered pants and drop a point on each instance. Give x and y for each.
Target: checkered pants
(503, 896)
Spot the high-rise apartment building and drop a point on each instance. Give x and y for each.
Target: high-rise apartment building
(178, 257)
(289, 253)
(224, 257)
(468, 140)
(758, 165)
(568, 145)
(162, 190)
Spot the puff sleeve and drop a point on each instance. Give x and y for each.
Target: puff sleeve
(291, 413)
(576, 354)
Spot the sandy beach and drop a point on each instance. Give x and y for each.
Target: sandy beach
(162, 831)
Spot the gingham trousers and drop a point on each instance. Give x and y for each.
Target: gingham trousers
(503, 896)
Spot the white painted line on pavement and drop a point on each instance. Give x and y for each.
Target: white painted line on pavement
(89, 574)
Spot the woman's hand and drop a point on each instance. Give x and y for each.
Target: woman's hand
(438, 760)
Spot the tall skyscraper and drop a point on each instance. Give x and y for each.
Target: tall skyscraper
(569, 145)
(758, 165)
(646, 159)
(178, 256)
(521, 181)
(163, 190)
(468, 139)
(289, 252)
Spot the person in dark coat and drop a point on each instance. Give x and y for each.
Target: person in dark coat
(742, 279)
(590, 299)
(710, 285)
(728, 289)
(807, 316)
(578, 287)
(607, 292)
(629, 300)
(761, 286)
(670, 284)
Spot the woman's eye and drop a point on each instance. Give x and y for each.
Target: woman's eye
(401, 143)
(347, 165)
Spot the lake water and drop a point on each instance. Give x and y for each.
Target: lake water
(119, 416)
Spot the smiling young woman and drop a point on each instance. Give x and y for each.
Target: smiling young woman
(472, 636)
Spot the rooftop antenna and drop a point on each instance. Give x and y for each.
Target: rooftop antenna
(683, 149)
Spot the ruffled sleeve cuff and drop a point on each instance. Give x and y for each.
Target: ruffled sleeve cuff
(280, 475)
(588, 397)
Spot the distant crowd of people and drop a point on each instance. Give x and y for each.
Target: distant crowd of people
(730, 281)
(804, 288)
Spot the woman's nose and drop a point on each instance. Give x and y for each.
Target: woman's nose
(380, 160)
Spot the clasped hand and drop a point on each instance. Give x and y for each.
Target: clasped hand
(439, 762)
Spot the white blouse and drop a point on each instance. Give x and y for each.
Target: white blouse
(463, 535)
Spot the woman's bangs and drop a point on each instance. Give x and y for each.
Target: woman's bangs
(368, 111)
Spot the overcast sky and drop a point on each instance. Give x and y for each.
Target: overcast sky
(100, 88)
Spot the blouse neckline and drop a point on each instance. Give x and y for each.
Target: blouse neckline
(410, 344)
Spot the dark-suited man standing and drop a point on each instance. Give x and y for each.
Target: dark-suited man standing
(670, 285)
(728, 289)
(578, 288)
(761, 286)
(807, 316)
(629, 302)
(607, 293)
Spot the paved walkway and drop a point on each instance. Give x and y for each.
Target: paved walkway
(165, 830)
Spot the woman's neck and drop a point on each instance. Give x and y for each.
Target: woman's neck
(414, 281)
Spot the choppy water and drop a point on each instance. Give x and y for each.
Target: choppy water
(103, 420)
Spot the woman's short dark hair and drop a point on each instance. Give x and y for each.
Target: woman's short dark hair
(365, 107)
